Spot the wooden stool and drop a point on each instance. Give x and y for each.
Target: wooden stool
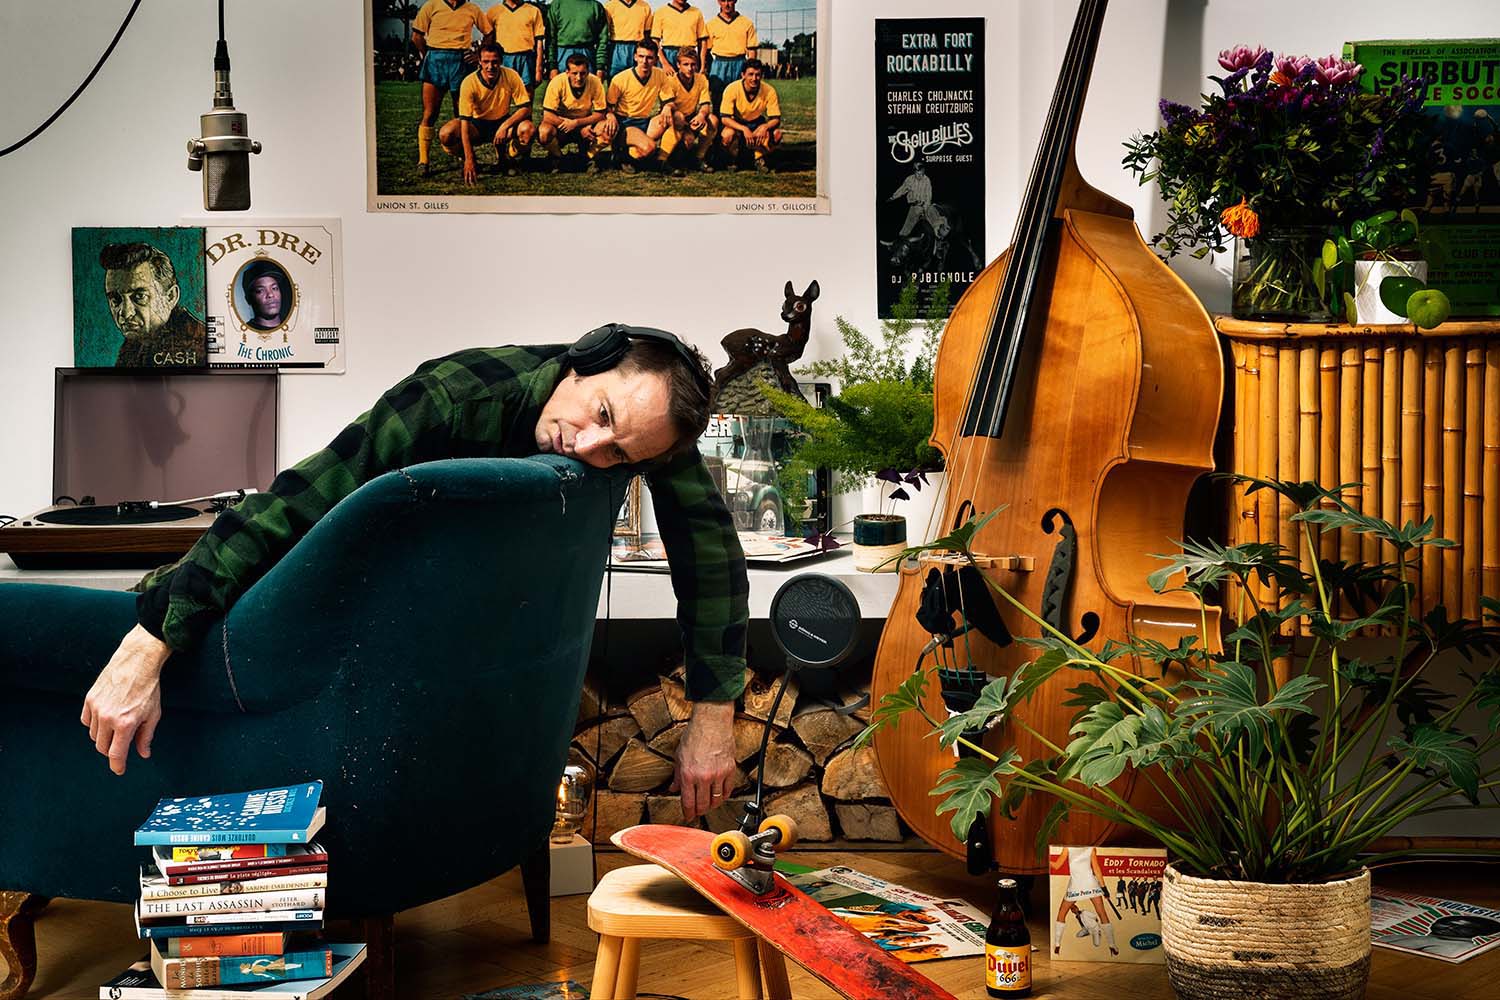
(647, 901)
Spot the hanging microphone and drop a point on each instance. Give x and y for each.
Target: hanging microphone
(222, 153)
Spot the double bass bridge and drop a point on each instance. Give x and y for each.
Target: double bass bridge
(1003, 564)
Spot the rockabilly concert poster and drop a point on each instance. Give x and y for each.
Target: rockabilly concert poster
(929, 174)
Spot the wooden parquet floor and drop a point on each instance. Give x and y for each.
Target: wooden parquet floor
(480, 940)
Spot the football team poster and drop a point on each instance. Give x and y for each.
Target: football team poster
(929, 156)
(138, 298)
(628, 106)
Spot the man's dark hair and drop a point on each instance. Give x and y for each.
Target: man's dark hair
(648, 44)
(578, 59)
(689, 393)
(754, 64)
(259, 269)
(128, 256)
(491, 47)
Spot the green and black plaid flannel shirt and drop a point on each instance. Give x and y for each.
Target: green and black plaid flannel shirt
(477, 403)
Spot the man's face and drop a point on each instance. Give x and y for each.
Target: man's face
(752, 79)
(577, 74)
(607, 419)
(489, 67)
(137, 301)
(726, 7)
(645, 59)
(265, 297)
(687, 64)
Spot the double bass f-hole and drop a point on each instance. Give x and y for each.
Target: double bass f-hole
(1060, 576)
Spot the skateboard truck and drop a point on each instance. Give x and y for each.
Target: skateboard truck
(750, 858)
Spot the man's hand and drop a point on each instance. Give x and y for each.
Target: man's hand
(125, 702)
(567, 125)
(471, 170)
(705, 758)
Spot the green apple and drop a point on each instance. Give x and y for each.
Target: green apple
(1427, 308)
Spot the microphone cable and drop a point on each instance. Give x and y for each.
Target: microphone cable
(89, 79)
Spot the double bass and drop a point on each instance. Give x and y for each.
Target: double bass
(1077, 388)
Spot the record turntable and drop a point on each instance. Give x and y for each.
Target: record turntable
(122, 434)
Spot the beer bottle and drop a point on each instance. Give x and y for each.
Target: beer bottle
(1007, 946)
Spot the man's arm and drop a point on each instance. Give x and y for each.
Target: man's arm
(419, 42)
(410, 423)
(713, 610)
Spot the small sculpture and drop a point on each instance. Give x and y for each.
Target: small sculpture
(749, 347)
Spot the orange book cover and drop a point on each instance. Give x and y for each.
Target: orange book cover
(227, 945)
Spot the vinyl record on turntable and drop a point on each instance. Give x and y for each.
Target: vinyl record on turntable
(110, 515)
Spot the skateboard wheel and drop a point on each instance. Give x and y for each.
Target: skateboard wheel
(784, 825)
(731, 849)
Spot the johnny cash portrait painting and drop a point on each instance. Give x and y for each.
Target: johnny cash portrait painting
(138, 298)
(275, 295)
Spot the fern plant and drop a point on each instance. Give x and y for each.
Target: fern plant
(1264, 780)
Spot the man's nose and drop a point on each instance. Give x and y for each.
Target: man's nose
(592, 444)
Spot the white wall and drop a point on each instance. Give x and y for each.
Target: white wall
(116, 158)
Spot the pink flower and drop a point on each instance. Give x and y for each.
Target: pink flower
(1333, 71)
(1240, 57)
(1288, 69)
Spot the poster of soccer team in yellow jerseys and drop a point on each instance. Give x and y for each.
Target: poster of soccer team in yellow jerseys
(662, 106)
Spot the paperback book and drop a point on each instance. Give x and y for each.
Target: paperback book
(155, 886)
(285, 815)
(224, 944)
(249, 923)
(197, 909)
(195, 973)
(140, 983)
(299, 858)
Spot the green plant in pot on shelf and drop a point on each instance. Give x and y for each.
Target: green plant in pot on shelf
(1284, 149)
(1275, 784)
(877, 425)
(1390, 249)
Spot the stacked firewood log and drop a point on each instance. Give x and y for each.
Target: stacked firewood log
(813, 771)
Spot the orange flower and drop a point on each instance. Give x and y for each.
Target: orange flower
(1281, 79)
(1240, 220)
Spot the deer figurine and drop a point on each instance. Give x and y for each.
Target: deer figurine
(749, 347)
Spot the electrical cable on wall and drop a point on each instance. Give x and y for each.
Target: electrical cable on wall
(89, 79)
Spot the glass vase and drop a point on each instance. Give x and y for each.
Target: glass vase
(1273, 276)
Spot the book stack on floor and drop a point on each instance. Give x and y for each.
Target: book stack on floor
(232, 899)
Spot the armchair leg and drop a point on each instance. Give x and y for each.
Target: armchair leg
(18, 942)
(536, 877)
(379, 934)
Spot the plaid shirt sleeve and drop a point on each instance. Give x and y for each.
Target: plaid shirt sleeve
(413, 422)
(708, 576)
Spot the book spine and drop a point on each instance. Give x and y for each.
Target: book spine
(243, 876)
(226, 944)
(196, 852)
(220, 837)
(157, 889)
(235, 902)
(267, 916)
(247, 927)
(186, 973)
(244, 864)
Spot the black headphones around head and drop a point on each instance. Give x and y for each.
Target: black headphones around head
(600, 350)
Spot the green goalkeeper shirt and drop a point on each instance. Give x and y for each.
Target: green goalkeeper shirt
(482, 402)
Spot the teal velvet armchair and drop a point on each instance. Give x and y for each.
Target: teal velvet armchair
(421, 650)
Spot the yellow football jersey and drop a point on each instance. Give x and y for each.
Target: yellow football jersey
(737, 104)
(628, 22)
(516, 29)
(447, 27)
(677, 28)
(561, 101)
(728, 39)
(475, 100)
(629, 97)
(685, 100)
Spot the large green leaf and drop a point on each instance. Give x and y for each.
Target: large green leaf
(1405, 538)
(1230, 706)
(906, 697)
(1104, 735)
(1489, 695)
(993, 703)
(1163, 740)
(1207, 563)
(1446, 752)
(970, 787)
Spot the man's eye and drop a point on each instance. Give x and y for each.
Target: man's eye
(604, 416)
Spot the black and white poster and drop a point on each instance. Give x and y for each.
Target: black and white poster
(929, 174)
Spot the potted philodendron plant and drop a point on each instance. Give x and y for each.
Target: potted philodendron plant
(876, 427)
(1277, 783)
(1376, 272)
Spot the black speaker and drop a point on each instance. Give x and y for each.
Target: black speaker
(815, 620)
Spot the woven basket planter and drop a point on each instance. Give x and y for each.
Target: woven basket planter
(1229, 940)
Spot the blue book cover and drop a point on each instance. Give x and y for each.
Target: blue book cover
(214, 930)
(266, 816)
(214, 970)
(139, 983)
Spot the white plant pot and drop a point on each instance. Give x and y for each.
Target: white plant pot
(1368, 274)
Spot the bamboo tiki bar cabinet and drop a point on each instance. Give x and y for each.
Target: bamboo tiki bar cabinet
(1411, 415)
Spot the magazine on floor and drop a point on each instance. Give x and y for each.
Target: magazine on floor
(1437, 928)
(910, 925)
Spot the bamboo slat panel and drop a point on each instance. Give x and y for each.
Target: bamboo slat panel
(1411, 416)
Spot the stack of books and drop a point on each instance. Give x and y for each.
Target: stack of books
(233, 897)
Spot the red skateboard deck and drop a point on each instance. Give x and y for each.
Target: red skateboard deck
(786, 918)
